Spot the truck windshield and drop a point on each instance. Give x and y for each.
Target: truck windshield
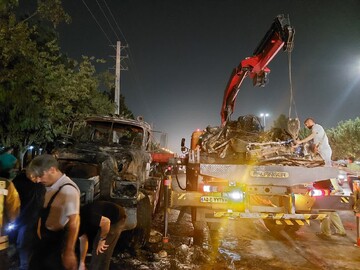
(123, 134)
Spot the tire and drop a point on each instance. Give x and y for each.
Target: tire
(273, 227)
(216, 234)
(291, 229)
(201, 233)
(137, 238)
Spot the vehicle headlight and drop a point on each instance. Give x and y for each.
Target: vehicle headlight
(206, 188)
(236, 195)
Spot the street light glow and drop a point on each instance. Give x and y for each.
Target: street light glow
(264, 115)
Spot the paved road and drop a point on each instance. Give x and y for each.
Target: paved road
(247, 244)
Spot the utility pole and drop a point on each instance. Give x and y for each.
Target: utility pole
(118, 68)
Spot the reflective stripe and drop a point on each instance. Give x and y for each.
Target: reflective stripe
(288, 222)
(291, 222)
(3, 192)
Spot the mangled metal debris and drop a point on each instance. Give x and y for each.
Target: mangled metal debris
(245, 141)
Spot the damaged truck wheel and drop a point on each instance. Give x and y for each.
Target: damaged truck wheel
(201, 233)
(142, 231)
(138, 237)
(273, 227)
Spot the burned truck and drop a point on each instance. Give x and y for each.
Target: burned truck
(109, 158)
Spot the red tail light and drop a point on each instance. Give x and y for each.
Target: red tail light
(319, 192)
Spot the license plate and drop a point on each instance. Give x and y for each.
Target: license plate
(210, 199)
(268, 174)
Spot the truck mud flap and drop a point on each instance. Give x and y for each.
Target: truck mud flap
(334, 202)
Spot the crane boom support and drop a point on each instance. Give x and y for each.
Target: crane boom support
(279, 36)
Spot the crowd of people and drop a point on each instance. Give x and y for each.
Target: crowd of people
(42, 217)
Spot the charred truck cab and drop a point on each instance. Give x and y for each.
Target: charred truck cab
(109, 158)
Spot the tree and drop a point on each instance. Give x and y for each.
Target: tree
(345, 139)
(107, 85)
(124, 110)
(281, 122)
(41, 90)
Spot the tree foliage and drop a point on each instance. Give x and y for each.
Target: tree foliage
(281, 122)
(107, 80)
(41, 90)
(345, 139)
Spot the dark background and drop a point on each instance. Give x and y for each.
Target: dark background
(181, 54)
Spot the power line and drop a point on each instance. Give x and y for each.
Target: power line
(131, 62)
(122, 34)
(96, 21)
(107, 20)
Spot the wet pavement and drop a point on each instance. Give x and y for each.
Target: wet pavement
(246, 244)
(243, 244)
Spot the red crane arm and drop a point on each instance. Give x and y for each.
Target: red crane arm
(280, 35)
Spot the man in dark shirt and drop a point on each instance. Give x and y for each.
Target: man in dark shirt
(101, 223)
(32, 199)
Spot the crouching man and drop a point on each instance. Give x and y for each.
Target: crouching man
(101, 224)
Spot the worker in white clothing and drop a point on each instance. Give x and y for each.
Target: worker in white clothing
(322, 147)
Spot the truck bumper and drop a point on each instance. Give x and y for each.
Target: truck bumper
(214, 212)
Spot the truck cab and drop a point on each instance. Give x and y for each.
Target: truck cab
(109, 158)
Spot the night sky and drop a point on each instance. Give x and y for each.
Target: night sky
(182, 52)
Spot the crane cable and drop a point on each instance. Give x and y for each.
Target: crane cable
(293, 125)
(292, 101)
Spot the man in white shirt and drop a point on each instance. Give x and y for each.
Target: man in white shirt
(59, 219)
(322, 146)
(321, 141)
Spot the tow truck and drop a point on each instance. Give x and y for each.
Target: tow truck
(232, 172)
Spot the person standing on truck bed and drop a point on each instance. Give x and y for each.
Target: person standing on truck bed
(101, 224)
(58, 225)
(322, 146)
